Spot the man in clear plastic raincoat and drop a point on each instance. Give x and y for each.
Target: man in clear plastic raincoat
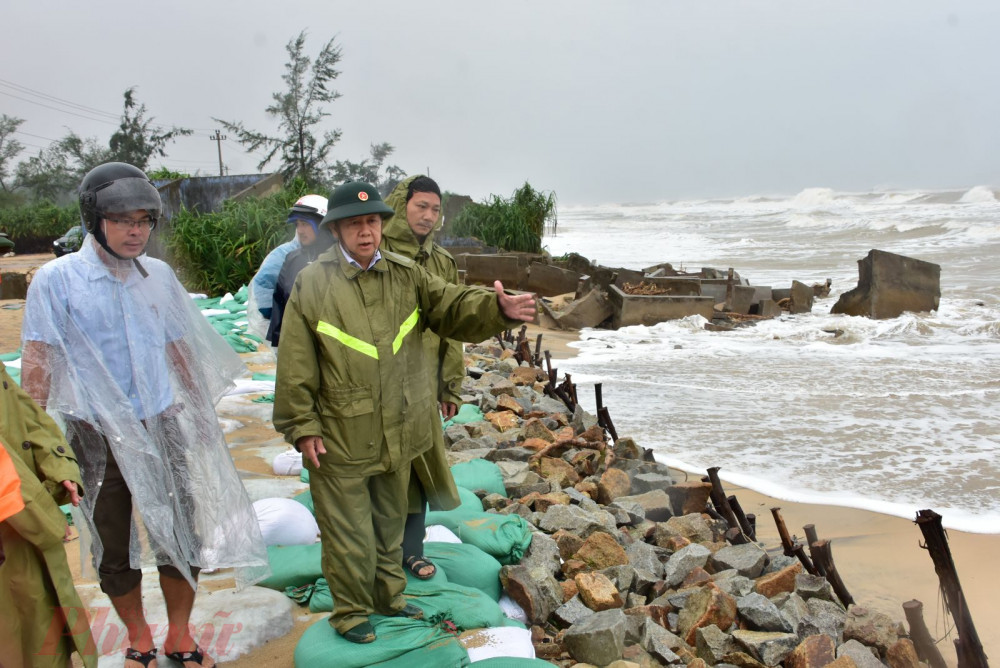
(114, 348)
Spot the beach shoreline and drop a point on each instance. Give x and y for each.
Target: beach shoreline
(878, 555)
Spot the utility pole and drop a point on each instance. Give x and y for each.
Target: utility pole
(218, 140)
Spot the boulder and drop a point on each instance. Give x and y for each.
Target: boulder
(890, 284)
(598, 639)
(814, 651)
(597, 591)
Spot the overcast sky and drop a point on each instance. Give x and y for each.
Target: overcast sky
(602, 102)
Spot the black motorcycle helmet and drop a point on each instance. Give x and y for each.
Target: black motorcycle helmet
(115, 187)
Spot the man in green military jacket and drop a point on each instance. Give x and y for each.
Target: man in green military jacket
(410, 232)
(42, 620)
(352, 395)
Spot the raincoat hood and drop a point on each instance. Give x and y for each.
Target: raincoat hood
(396, 231)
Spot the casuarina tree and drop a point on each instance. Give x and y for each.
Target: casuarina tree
(300, 109)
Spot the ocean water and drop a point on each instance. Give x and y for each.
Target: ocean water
(891, 415)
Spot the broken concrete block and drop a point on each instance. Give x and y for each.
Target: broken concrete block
(890, 284)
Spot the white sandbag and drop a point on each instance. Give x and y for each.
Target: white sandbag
(285, 522)
(511, 610)
(287, 463)
(483, 644)
(436, 533)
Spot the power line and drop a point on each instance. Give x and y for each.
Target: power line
(31, 91)
(21, 132)
(65, 111)
(80, 107)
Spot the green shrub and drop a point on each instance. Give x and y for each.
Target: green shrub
(215, 253)
(513, 224)
(38, 220)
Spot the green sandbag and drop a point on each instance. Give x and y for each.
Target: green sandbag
(469, 505)
(505, 537)
(10, 357)
(465, 607)
(263, 376)
(479, 474)
(466, 414)
(321, 599)
(293, 565)
(511, 662)
(401, 643)
(306, 499)
(304, 475)
(466, 565)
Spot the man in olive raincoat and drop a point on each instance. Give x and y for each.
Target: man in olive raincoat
(410, 232)
(352, 395)
(42, 620)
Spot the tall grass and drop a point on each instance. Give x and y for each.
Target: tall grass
(516, 223)
(38, 221)
(219, 252)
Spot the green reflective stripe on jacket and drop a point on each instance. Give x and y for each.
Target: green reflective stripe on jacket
(405, 329)
(364, 348)
(351, 342)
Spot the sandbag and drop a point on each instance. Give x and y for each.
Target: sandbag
(401, 643)
(483, 644)
(320, 598)
(285, 522)
(512, 662)
(466, 413)
(469, 505)
(293, 566)
(306, 499)
(479, 474)
(465, 607)
(288, 462)
(466, 565)
(505, 537)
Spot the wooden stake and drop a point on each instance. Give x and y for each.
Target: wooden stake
(792, 548)
(967, 646)
(923, 642)
(722, 503)
(741, 517)
(824, 559)
(811, 539)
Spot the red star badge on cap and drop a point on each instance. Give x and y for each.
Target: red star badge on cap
(363, 196)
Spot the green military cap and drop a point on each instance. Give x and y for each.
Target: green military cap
(355, 198)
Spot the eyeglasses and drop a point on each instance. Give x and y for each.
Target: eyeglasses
(146, 223)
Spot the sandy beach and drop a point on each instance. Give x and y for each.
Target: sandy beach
(879, 556)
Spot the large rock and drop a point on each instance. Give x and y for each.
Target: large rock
(683, 561)
(749, 559)
(889, 284)
(535, 590)
(709, 605)
(601, 550)
(902, 654)
(597, 591)
(655, 503)
(767, 647)
(688, 497)
(863, 657)
(598, 639)
(871, 628)
(813, 652)
(760, 614)
(772, 584)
